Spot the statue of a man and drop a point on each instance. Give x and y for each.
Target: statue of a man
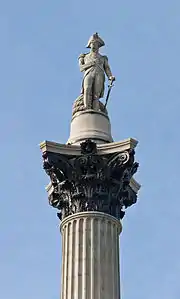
(95, 66)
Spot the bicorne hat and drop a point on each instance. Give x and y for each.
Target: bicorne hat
(95, 37)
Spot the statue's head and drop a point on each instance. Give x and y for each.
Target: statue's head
(95, 42)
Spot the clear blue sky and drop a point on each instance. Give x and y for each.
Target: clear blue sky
(39, 80)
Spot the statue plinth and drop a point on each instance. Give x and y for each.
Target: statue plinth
(90, 124)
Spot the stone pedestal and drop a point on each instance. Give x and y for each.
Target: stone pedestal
(90, 256)
(91, 124)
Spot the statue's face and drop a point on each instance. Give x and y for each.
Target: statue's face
(94, 45)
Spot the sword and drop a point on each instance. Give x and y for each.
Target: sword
(108, 93)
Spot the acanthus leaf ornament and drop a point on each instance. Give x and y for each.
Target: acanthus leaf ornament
(91, 182)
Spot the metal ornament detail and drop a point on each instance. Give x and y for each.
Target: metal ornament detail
(91, 182)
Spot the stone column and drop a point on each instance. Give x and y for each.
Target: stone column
(91, 186)
(90, 256)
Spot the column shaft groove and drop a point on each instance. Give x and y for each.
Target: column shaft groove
(90, 268)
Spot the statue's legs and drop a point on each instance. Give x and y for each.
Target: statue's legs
(88, 84)
(95, 104)
(98, 86)
(93, 88)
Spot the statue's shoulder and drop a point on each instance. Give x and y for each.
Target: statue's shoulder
(82, 55)
(105, 57)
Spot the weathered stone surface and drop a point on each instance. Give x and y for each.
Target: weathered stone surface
(95, 66)
(75, 149)
(91, 182)
(78, 106)
(90, 124)
(90, 256)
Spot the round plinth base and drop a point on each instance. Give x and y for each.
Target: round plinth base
(90, 124)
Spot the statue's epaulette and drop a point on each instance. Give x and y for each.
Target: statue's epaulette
(82, 55)
(105, 57)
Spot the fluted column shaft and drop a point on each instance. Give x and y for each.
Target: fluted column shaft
(90, 256)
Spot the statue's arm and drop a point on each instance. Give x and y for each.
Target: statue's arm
(82, 65)
(107, 69)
